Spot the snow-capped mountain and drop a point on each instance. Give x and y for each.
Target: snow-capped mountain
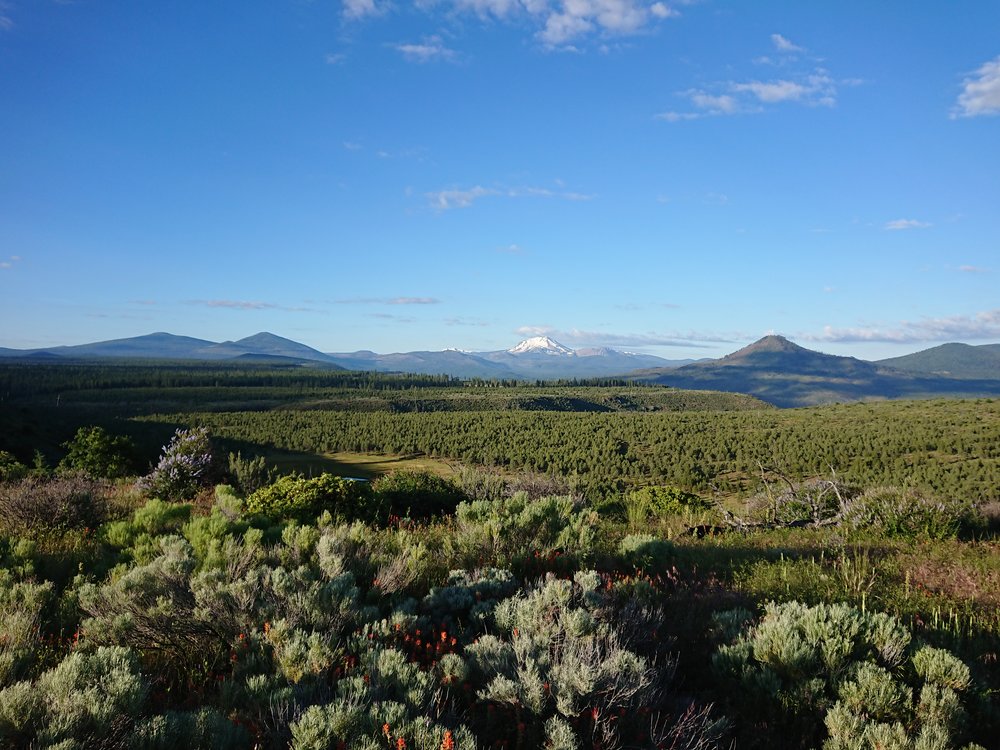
(536, 358)
(542, 345)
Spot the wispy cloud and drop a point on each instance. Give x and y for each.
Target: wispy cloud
(783, 44)
(6, 20)
(897, 225)
(980, 326)
(388, 301)
(980, 92)
(444, 200)
(117, 316)
(577, 337)
(391, 316)
(10, 261)
(511, 250)
(413, 301)
(809, 85)
(334, 58)
(476, 322)
(770, 92)
(231, 304)
(235, 304)
(556, 24)
(358, 9)
(429, 50)
(973, 269)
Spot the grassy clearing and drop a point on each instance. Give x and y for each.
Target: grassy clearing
(363, 465)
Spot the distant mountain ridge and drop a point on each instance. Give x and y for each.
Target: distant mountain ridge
(773, 368)
(162, 345)
(534, 358)
(539, 357)
(783, 373)
(952, 360)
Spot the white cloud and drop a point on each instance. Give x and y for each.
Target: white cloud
(229, 304)
(466, 322)
(236, 304)
(808, 86)
(973, 269)
(662, 10)
(722, 104)
(558, 23)
(494, 8)
(815, 88)
(443, 200)
(388, 301)
(413, 301)
(981, 93)
(750, 96)
(899, 224)
(534, 330)
(577, 18)
(6, 20)
(334, 58)
(980, 326)
(430, 49)
(357, 9)
(782, 44)
(772, 91)
(9, 262)
(708, 104)
(678, 116)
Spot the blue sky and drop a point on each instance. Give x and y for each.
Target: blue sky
(674, 178)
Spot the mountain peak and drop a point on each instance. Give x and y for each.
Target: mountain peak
(771, 343)
(263, 337)
(541, 345)
(266, 342)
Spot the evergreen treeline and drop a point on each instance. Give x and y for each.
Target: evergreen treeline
(949, 447)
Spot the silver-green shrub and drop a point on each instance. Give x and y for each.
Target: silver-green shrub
(802, 670)
(511, 528)
(554, 657)
(92, 698)
(908, 514)
(203, 729)
(21, 605)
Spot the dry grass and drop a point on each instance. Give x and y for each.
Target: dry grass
(363, 465)
(961, 572)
